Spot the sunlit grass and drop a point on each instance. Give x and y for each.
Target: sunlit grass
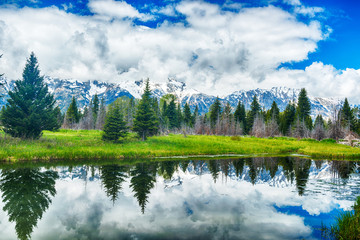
(87, 144)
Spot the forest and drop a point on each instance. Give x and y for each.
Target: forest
(32, 109)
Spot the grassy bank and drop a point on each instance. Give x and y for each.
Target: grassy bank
(87, 144)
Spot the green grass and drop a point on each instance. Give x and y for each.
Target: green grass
(347, 225)
(87, 144)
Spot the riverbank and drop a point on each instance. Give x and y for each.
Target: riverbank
(87, 144)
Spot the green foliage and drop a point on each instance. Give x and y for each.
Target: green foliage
(347, 225)
(115, 126)
(146, 122)
(287, 118)
(95, 105)
(26, 193)
(274, 112)
(142, 181)
(112, 176)
(255, 109)
(187, 115)
(347, 117)
(72, 113)
(171, 114)
(30, 108)
(328, 140)
(240, 116)
(303, 107)
(215, 111)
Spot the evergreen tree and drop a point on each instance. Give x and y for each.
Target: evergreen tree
(112, 176)
(30, 108)
(26, 193)
(347, 116)
(145, 123)
(171, 114)
(72, 113)
(95, 105)
(115, 126)
(215, 111)
(274, 112)
(303, 108)
(187, 115)
(287, 118)
(255, 110)
(240, 116)
(142, 181)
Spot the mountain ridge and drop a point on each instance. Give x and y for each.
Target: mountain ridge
(65, 89)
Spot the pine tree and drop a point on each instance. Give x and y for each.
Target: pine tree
(240, 116)
(30, 108)
(171, 114)
(95, 105)
(347, 116)
(145, 123)
(215, 111)
(255, 110)
(187, 115)
(72, 113)
(287, 118)
(274, 113)
(179, 116)
(303, 107)
(115, 126)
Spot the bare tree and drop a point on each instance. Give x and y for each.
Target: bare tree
(100, 120)
(258, 129)
(272, 127)
(319, 131)
(300, 130)
(336, 130)
(87, 121)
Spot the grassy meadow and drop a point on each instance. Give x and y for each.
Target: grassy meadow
(87, 144)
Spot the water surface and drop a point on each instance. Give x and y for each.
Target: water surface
(255, 198)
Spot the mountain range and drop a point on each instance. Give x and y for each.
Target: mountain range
(65, 89)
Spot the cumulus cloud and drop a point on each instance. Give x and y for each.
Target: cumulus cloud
(114, 9)
(212, 49)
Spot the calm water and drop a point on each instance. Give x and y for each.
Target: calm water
(258, 198)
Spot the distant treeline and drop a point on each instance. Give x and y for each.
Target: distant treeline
(32, 109)
(170, 117)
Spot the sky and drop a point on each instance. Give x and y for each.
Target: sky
(216, 47)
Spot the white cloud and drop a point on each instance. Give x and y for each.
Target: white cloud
(216, 51)
(114, 9)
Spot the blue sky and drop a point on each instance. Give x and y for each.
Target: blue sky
(216, 46)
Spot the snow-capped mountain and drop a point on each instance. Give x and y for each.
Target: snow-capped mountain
(65, 89)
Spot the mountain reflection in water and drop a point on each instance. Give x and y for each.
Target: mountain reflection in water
(253, 198)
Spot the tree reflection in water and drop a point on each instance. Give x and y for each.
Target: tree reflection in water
(27, 194)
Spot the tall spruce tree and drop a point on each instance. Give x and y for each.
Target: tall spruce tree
(215, 112)
(240, 116)
(287, 118)
(30, 108)
(171, 114)
(145, 122)
(274, 113)
(72, 113)
(304, 108)
(347, 116)
(95, 105)
(187, 115)
(115, 126)
(255, 110)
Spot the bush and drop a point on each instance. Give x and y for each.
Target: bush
(328, 140)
